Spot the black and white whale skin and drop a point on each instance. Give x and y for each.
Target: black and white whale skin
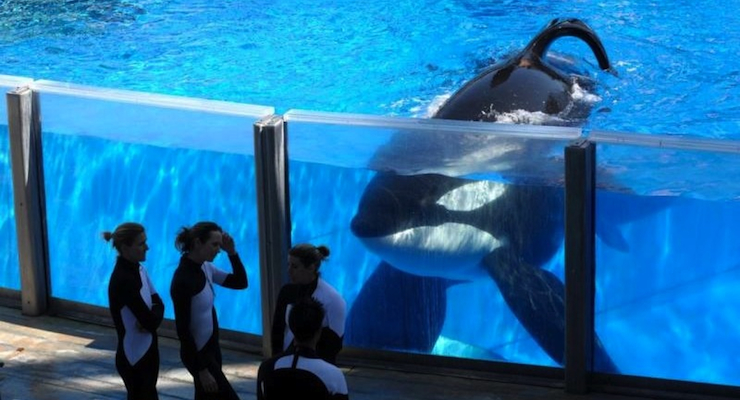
(527, 82)
(433, 230)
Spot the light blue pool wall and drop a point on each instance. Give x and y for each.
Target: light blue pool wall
(665, 303)
(9, 269)
(106, 162)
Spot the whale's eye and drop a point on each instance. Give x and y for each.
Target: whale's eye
(473, 195)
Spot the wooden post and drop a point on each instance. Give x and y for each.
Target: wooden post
(273, 209)
(27, 166)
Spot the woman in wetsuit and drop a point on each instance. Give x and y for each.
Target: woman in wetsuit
(137, 311)
(192, 296)
(304, 261)
(299, 373)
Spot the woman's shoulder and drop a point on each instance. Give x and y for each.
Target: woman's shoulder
(180, 273)
(121, 276)
(327, 294)
(290, 292)
(326, 286)
(186, 279)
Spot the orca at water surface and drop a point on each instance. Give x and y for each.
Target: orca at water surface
(528, 83)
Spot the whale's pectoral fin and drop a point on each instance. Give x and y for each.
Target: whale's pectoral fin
(602, 361)
(537, 299)
(611, 235)
(535, 296)
(397, 311)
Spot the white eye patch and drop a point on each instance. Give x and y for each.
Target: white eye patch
(472, 195)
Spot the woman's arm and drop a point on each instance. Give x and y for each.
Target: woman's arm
(332, 336)
(237, 279)
(148, 319)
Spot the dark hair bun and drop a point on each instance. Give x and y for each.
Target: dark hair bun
(323, 250)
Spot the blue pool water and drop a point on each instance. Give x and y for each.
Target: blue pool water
(676, 61)
(664, 306)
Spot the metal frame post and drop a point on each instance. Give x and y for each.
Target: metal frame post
(580, 161)
(273, 206)
(24, 127)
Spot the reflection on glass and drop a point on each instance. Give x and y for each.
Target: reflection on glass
(668, 266)
(166, 162)
(435, 252)
(93, 184)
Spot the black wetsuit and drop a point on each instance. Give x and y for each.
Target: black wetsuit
(300, 374)
(196, 320)
(137, 311)
(332, 332)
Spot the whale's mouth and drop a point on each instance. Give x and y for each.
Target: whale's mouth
(395, 204)
(383, 216)
(451, 250)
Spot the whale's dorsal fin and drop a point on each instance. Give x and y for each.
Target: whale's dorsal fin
(562, 27)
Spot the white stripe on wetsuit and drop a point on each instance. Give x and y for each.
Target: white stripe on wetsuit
(334, 311)
(331, 376)
(201, 306)
(136, 341)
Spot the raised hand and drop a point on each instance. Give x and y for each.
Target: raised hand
(227, 244)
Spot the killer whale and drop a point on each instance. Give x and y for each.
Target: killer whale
(412, 223)
(433, 230)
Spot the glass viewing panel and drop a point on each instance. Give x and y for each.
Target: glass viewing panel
(10, 277)
(430, 225)
(667, 256)
(166, 162)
